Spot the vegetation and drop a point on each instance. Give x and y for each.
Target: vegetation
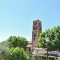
(54, 35)
(37, 57)
(13, 49)
(4, 50)
(17, 42)
(17, 54)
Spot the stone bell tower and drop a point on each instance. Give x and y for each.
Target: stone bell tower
(37, 29)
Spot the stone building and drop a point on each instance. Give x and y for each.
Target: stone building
(36, 30)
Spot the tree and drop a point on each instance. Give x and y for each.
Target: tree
(22, 42)
(54, 35)
(4, 50)
(37, 57)
(17, 42)
(18, 54)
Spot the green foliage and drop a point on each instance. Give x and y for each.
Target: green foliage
(22, 42)
(4, 50)
(17, 42)
(54, 35)
(13, 49)
(18, 54)
(37, 57)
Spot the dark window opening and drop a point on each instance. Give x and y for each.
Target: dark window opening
(34, 35)
(34, 39)
(35, 23)
(34, 28)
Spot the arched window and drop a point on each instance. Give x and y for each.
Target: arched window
(35, 23)
(34, 28)
(34, 35)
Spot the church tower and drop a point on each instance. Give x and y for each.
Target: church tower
(37, 29)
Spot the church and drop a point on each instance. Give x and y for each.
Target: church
(36, 30)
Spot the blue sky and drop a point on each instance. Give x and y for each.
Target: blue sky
(16, 16)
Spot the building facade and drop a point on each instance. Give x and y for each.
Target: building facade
(36, 30)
